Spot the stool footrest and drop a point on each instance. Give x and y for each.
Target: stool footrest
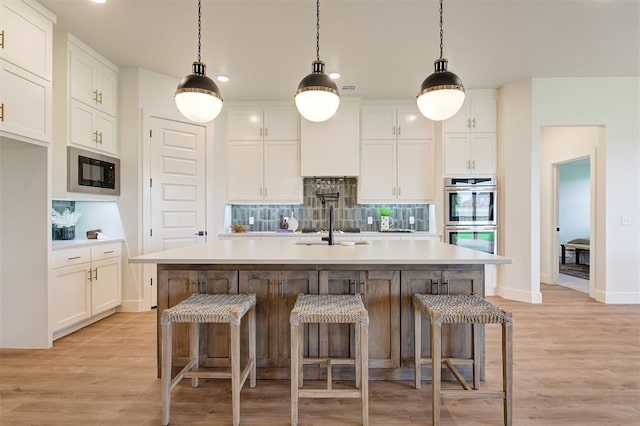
(460, 394)
(329, 361)
(463, 361)
(326, 393)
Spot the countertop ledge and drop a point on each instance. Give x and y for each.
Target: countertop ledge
(343, 235)
(282, 252)
(64, 244)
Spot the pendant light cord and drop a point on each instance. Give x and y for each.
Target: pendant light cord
(318, 30)
(199, 28)
(441, 32)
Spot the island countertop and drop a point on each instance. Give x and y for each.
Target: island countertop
(265, 252)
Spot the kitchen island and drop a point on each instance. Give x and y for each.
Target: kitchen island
(385, 272)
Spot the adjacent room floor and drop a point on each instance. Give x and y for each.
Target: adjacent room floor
(576, 362)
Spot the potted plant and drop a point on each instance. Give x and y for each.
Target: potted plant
(66, 222)
(386, 221)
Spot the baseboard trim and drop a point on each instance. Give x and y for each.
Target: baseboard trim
(619, 298)
(520, 295)
(133, 305)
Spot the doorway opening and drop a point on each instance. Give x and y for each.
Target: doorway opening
(573, 230)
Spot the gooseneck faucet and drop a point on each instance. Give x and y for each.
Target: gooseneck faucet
(329, 238)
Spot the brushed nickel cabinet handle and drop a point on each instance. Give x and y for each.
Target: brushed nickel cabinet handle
(90, 278)
(266, 132)
(74, 257)
(95, 274)
(260, 131)
(2, 39)
(2, 112)
(474, 164)
(99, 98)
(109, 251)
(399, 130)
(474, 123)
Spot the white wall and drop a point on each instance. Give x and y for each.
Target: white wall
(518, 219)
(25, 229)
(613, 103)
(573, 200)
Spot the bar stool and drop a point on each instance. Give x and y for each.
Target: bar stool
(209, 308)
(329, 308)
(462, 309)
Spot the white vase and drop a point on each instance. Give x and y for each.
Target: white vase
(385, 223)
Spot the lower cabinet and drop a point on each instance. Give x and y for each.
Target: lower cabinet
(456, 338)
(276, 293)
(380, 292)
(85, 284)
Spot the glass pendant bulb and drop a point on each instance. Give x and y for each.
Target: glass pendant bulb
(442, 94)
(197, 96)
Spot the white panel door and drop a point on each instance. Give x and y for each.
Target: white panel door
(105, 285)
(282, 181)
(178, 183)
(70, 295)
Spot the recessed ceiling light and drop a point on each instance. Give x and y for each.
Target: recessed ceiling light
(334, 75)
(222, 78)
(99, 1)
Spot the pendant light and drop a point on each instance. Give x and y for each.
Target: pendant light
(317, 97)
(442, 93)
(197, 96)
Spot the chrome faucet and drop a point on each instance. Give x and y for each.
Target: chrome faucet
(329, 238)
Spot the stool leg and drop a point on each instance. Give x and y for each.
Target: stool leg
(300, 355)
(417, 345)
(235, 373)
(435, 370)
(475, 333)
(252, 346)
(295, 359)
(507, 371)
(166, 373)
(358, 364)
(364, 367)
(194, 349)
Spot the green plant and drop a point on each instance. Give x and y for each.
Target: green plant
(385, 211)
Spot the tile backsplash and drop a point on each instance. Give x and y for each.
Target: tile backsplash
(314, 213)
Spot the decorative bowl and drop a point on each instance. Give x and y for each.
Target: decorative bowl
(239, 228)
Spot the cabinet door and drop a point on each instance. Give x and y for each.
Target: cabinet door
(179, 286)
(416, 164)
(106, 126)
(461, 122)
(282, 181)
(105, 285)
(244, 171)
(415, 282)
(107, 86)
(456, 154)
(28, 38)
(382, 299)
(215, 338)
(82, 130)
(26, 99)
(293, 283)
(82, 76)
(244, 124)
(413, 125)
(281, 124)
(70, 295)
(265, 286)
(483, 113)
(378, 122)
(377, 171)
(483, 153)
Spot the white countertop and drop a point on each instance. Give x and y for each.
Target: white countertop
(340, 235)
(285, 251)
(63, 244)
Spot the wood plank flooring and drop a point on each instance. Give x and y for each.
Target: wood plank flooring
(576, 362)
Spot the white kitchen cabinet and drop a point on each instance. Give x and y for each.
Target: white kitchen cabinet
(397, 156)
(85, 284)
(332, 148)
(26, 37)
(92, 128)
(477, 114)
(263, 155)
(470, 154)
(93, 81)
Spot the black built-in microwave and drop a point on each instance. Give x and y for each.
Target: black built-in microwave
(93, 173)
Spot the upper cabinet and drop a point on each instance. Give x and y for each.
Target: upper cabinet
(263, 155)
(26, 52)
(470, 137)
(93, 98)
(332, 148)
(397, 155)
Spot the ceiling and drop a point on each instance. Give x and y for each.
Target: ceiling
(383, 47)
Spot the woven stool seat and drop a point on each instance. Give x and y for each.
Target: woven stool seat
(210, 308)
(461, 309)
(330, 308)
(323, 309)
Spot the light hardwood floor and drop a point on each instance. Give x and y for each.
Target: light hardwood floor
(576, 362)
